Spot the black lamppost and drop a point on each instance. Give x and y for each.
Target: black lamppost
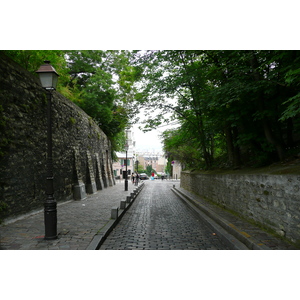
(126, 176)
(137, 172)
(48, 77)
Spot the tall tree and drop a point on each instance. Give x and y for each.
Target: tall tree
(178, 76)
(235, 102)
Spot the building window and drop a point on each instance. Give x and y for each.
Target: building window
(123, 162)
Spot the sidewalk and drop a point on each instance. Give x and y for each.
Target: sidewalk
(240, 231)
(77, 222)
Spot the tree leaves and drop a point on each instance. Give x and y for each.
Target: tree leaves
(249, 99)
(234, 103)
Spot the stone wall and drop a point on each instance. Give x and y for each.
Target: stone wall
(271, 200)
(81, 151)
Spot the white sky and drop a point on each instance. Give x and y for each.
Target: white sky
(149, 141)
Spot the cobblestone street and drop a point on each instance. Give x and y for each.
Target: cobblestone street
(158, 219)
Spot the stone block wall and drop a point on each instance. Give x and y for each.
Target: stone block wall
(81, 151)
(271, 200)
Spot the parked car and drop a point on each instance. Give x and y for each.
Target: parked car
(144, 176)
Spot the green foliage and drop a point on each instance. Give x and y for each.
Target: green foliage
(183, 148)
(293, 108)
(92, 76)
(31, 60)
(149, 170)
(243, 104)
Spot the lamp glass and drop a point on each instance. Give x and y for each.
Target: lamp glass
(48, 80)
(126, 146)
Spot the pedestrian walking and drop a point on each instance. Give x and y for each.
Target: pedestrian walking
(132, 178)
(152, 176)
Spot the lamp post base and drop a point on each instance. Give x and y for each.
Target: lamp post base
(50, 217)
(126, 185)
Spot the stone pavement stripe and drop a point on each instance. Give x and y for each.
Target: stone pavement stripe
(228, 238)
(246, 239)
(250, 235)
(102, 234)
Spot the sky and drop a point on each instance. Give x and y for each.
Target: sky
(149, 141)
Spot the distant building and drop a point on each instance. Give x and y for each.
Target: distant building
(161, 164)
(148, 160)
(158, 161)
(176, 169)
(119, 166)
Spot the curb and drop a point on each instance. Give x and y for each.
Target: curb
(233, 236)
(117, 214)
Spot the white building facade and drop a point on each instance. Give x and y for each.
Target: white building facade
(119, 167)
(158, 161)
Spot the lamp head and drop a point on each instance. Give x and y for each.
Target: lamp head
(48, 76)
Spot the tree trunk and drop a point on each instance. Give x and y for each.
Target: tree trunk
(229, 144)
(271, 138)
(236, 149)
(233, 151)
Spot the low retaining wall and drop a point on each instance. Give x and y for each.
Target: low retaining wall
(271, 200)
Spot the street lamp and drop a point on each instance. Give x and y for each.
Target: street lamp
(126, 177)
(137, 176)
(48, 77)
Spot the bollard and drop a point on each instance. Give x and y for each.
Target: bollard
(123, 204)
(128, 198)
(114, 212)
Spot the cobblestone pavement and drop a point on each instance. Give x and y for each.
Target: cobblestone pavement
(252, 235)
(77, 223)
(158, 219)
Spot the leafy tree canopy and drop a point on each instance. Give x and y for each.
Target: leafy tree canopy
(234, 107)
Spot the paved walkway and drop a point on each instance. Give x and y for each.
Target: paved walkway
(77, 222)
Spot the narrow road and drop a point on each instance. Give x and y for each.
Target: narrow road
(158, 219)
